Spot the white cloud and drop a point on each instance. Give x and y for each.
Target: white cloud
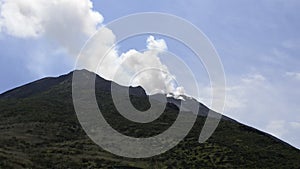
(257, 100)
(253, 78)
(293, 75)
(248, 99)
(159, 44)
(291, 44)
(277, 128)
(295, 125)
(240, 94)
(65, 22)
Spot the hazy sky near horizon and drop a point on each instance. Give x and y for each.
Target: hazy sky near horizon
(258, 43)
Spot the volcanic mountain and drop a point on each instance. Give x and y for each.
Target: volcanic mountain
(39, 129)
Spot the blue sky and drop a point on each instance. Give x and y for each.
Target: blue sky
(258, 43)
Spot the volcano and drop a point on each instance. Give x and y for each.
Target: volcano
(39, 129)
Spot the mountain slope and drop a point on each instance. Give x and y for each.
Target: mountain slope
(39, 129)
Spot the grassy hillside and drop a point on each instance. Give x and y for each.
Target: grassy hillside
(39, 129)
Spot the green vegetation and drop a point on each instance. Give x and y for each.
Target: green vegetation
(41, 130)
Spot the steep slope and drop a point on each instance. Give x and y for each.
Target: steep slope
(39, 129)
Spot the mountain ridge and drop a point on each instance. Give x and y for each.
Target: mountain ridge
(138, 90)
(38, 118)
